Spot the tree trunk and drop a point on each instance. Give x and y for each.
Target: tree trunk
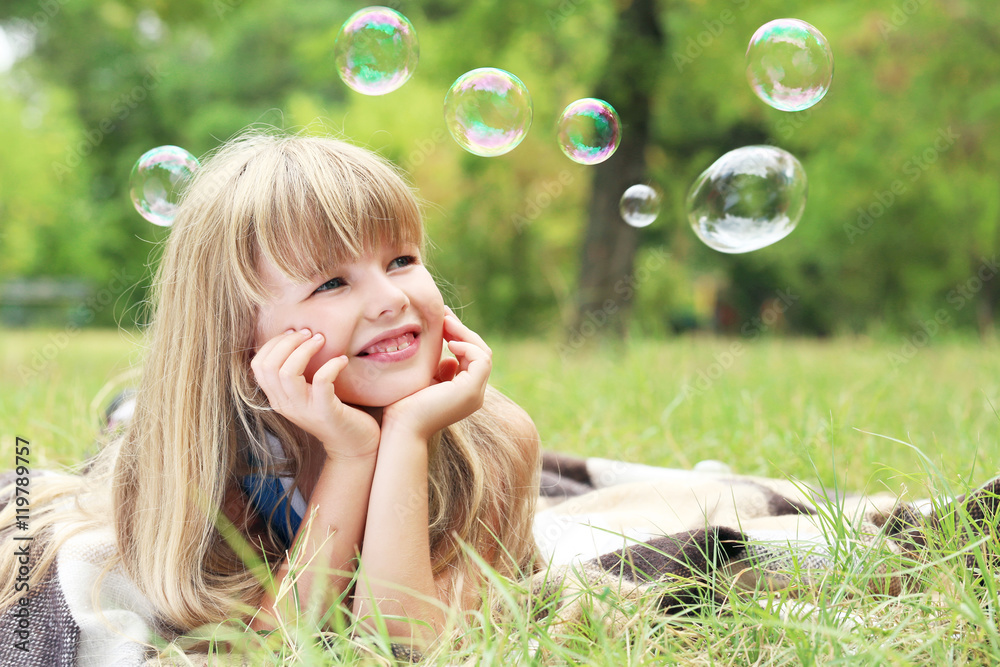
(605, 287)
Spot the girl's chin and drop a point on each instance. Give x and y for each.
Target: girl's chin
(381, 399)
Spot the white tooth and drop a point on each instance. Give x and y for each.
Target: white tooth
(401, 343)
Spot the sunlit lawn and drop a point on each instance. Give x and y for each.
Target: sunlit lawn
(853, 413)
(773, 407)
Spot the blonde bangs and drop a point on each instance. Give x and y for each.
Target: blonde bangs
(310, 204)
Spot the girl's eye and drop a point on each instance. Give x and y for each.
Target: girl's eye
(400, 262)
(331, 284)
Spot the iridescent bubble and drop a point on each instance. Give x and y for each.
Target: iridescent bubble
(589, 131)
(789, 64)
(640, 205)
(376, 50)
(158, 180)
(488, 111)
(748, 199)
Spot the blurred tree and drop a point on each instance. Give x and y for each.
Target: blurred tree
(630, 76)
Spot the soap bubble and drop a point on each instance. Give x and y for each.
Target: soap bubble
(748, 199)
(376, 50)
(789, 64)
(488, 111)
(158, 179)
(589, 131)
(640, 205)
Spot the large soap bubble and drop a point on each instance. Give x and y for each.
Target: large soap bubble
(640, 205)
(158, 180)
(589, 131)
(376, 50)
(749, 198)
(488, 111)
(789, 64)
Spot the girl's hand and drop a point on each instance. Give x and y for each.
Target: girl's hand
(457, 390)
(279, 367)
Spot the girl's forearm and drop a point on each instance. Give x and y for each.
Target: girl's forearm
(396, 575)
(326, 548)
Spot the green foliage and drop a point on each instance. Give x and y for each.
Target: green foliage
(902, 155)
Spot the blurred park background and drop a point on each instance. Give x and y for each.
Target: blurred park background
(899, 235)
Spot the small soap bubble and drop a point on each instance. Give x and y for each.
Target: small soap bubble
(640, 205)
(749, 198)
(589, 131)
(789, 64)
(376, 51)
(488, 111)
(158, 180)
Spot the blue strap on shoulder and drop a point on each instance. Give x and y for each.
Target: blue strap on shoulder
(273, 503)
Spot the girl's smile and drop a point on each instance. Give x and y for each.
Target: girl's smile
(396, 345)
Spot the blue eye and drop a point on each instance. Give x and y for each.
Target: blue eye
(331, 284)
(400, 262)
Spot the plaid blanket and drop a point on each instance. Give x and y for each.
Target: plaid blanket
(82, 613)
(685, 538)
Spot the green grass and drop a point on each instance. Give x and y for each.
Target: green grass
(53, 386)
(845, 413)
(781, 407)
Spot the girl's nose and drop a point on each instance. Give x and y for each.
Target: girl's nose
(384, 298)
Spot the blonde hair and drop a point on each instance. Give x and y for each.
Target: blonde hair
(303, 203)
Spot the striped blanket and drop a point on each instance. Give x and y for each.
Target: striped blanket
(684, 538)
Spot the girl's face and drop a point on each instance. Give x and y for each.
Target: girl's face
(383, 311)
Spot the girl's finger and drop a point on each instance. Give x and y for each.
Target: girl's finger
(279, 382)
(269, 345)
(455, 330)
(263, 353)
(299, 357)
(275, 351)
(468, 354)
(328, 372)
(469, 350)
(323, 379)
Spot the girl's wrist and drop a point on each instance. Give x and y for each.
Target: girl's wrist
(408, 437)
(341, 457)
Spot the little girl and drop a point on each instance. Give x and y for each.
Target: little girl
(295, 383)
